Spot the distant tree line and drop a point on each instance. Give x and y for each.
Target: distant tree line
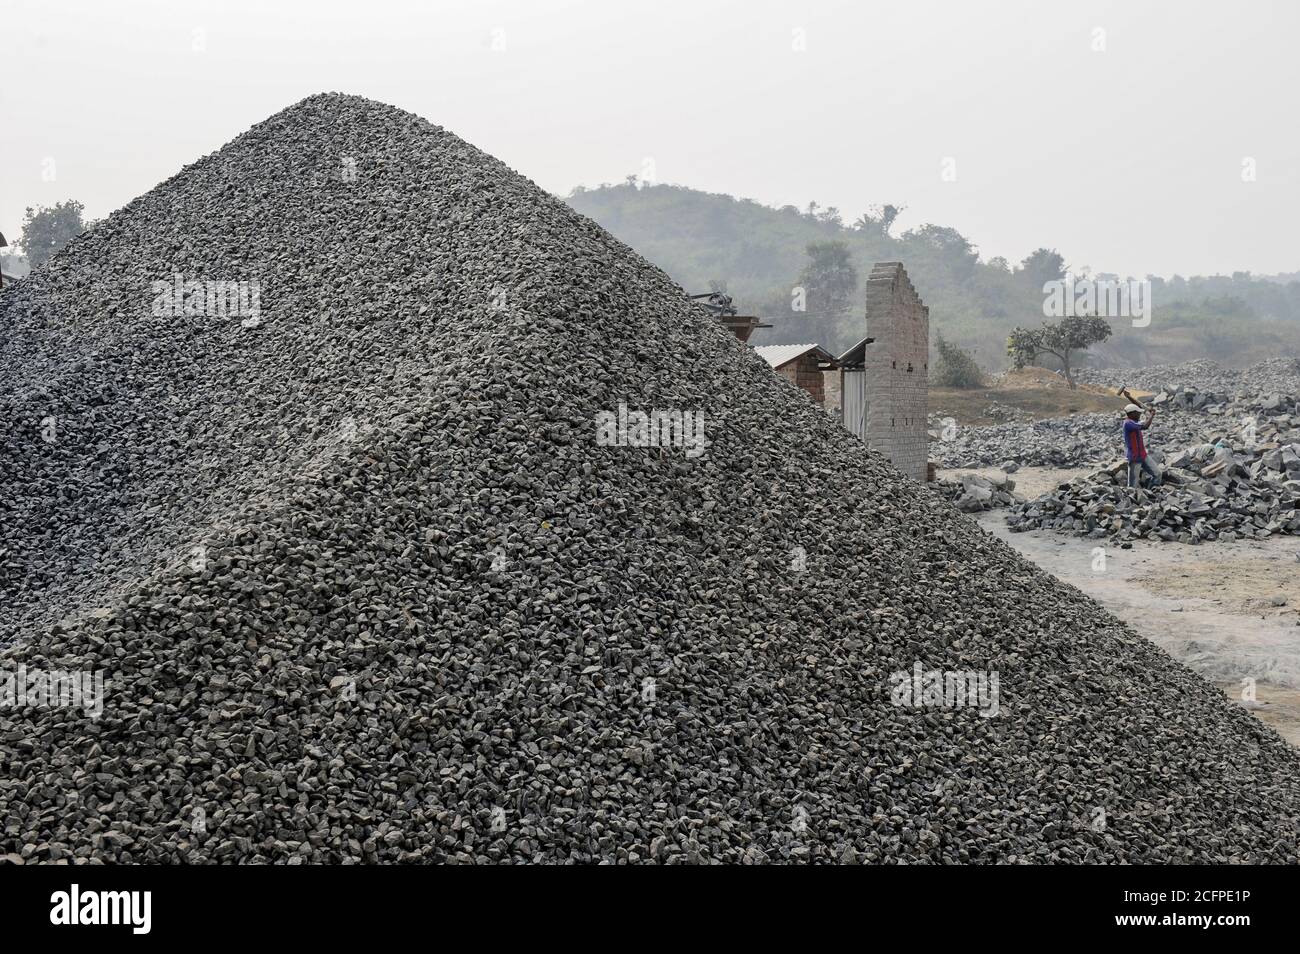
(766, 256)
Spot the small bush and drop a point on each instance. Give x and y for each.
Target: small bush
(954, 368)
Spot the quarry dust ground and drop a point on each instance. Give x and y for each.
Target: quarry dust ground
(1030, 481)
(1038, 393)
(1211, 606)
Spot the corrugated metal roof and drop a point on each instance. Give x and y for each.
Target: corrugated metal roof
(854, 355)
(778, 355)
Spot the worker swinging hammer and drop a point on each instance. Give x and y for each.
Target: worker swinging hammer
(1134, 445)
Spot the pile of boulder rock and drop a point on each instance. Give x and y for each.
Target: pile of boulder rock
(971, 493)
(1075, 441)
(1005, 412)
(1209, 492)
(1274, 374)
(1275, 404)
(1191, 398)
(1198, 402)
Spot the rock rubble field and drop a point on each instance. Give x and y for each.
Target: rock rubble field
(1197, 401)
(1209, 492)
(1074, 441)
(1229, 458)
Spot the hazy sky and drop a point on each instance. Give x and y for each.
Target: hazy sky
(1115, 132)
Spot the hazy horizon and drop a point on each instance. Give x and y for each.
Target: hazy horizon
(1124, 149)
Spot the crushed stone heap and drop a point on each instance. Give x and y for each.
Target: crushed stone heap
(1209, 492)
(364, 586)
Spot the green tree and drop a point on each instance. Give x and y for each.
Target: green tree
(1061, 340)
(953, 367)
(1041, 266)
(46, 229)
(829, 278)
(952, 249)
(879, 219)
(830, 216)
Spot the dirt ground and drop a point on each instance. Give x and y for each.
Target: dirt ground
(1230, 611)
(1037, 392)
(1030, 481)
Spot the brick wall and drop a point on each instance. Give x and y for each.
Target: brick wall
(897, 369)
(806, 374)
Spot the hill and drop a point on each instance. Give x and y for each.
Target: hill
(757, 254)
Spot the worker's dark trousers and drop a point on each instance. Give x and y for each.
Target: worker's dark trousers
(1135, 467)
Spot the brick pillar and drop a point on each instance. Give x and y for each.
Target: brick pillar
(897, 369)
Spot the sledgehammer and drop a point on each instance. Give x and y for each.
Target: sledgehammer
(1123, 392)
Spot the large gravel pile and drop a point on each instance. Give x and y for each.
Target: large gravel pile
(364, 585)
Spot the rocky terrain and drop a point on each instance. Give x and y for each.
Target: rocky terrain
(1275, 376)
(1208, 492)
(1196, 402)
(1227, 455)
(1075, 441)
(971, 493)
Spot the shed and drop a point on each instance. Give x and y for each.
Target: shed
(802, 364)
(853, 388)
